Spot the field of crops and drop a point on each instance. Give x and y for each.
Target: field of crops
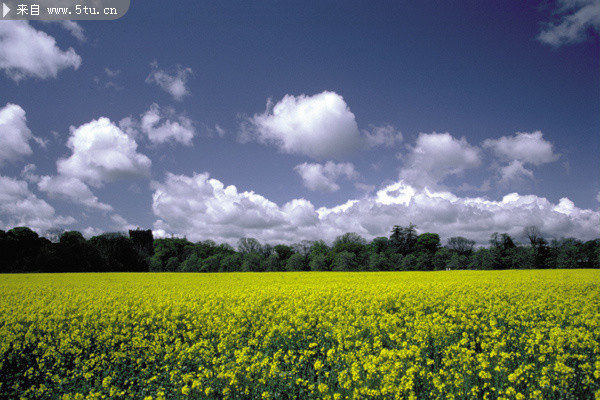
(438, 335)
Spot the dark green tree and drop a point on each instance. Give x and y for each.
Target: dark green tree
(379, 262)
(252, 262)
(249, 245)
(540, 251)
(21, 250)
(441, 259)
(231, 263)
(273, 263)
(353, 243)
(283, 252)
(296, 262)
(461, 245)
(168, 254)
(428, 242)
(403, 239)
(344, 261)
(318, 262)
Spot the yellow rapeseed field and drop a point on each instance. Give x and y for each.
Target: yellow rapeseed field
(388, 335)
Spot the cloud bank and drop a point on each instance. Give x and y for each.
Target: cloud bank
(200, 207)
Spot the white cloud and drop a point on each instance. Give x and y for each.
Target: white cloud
(14, 134)
(28, 173)
(121, 224)
(102, 153)
(181, 130)
(111, 73)
(73, 28)
(203, 208)
(319, 126)
(72, 189)
(525, 147)
(26, 52)
(323, 178)
(20, 207)
(385, 135)
(110, 80)
(220, 131)
(90, 232)
(173, 83)
(574, 19)
(437, 156)
(199, 205)
(514, 173)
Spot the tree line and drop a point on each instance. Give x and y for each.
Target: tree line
(23, 250)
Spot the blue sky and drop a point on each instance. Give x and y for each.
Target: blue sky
(287, 121)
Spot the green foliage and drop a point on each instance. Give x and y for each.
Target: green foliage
(318, 262)
(458, 261)
(23, 250)
(441, 259)
(273, 263)
(297, 262)
(344, 261)
(231, 263)
(120, 253)
(252, 262)
(379, 245)
(283, 252)
(379, 262)
(168, 254)
(249, 245)
(409, 263)
(461, 245)
(567, 252)
(428, 242)
(403, 239)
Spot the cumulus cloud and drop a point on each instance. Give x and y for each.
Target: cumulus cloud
(514, 173)
(526, 147)
(174, 83)
(200, 205)
(20, 207)
(14, 134)
(26, 52)
(204, 208)
(102, 153)
(319, 126)
(155, 123)
(574, 19)
(319, 177)
(72, 189)
(385, 135)
(437, 156)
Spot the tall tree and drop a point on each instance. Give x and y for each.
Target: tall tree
(249, 245)
(461, 245)
(428, 242)
(404, 239)
(539, 246)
